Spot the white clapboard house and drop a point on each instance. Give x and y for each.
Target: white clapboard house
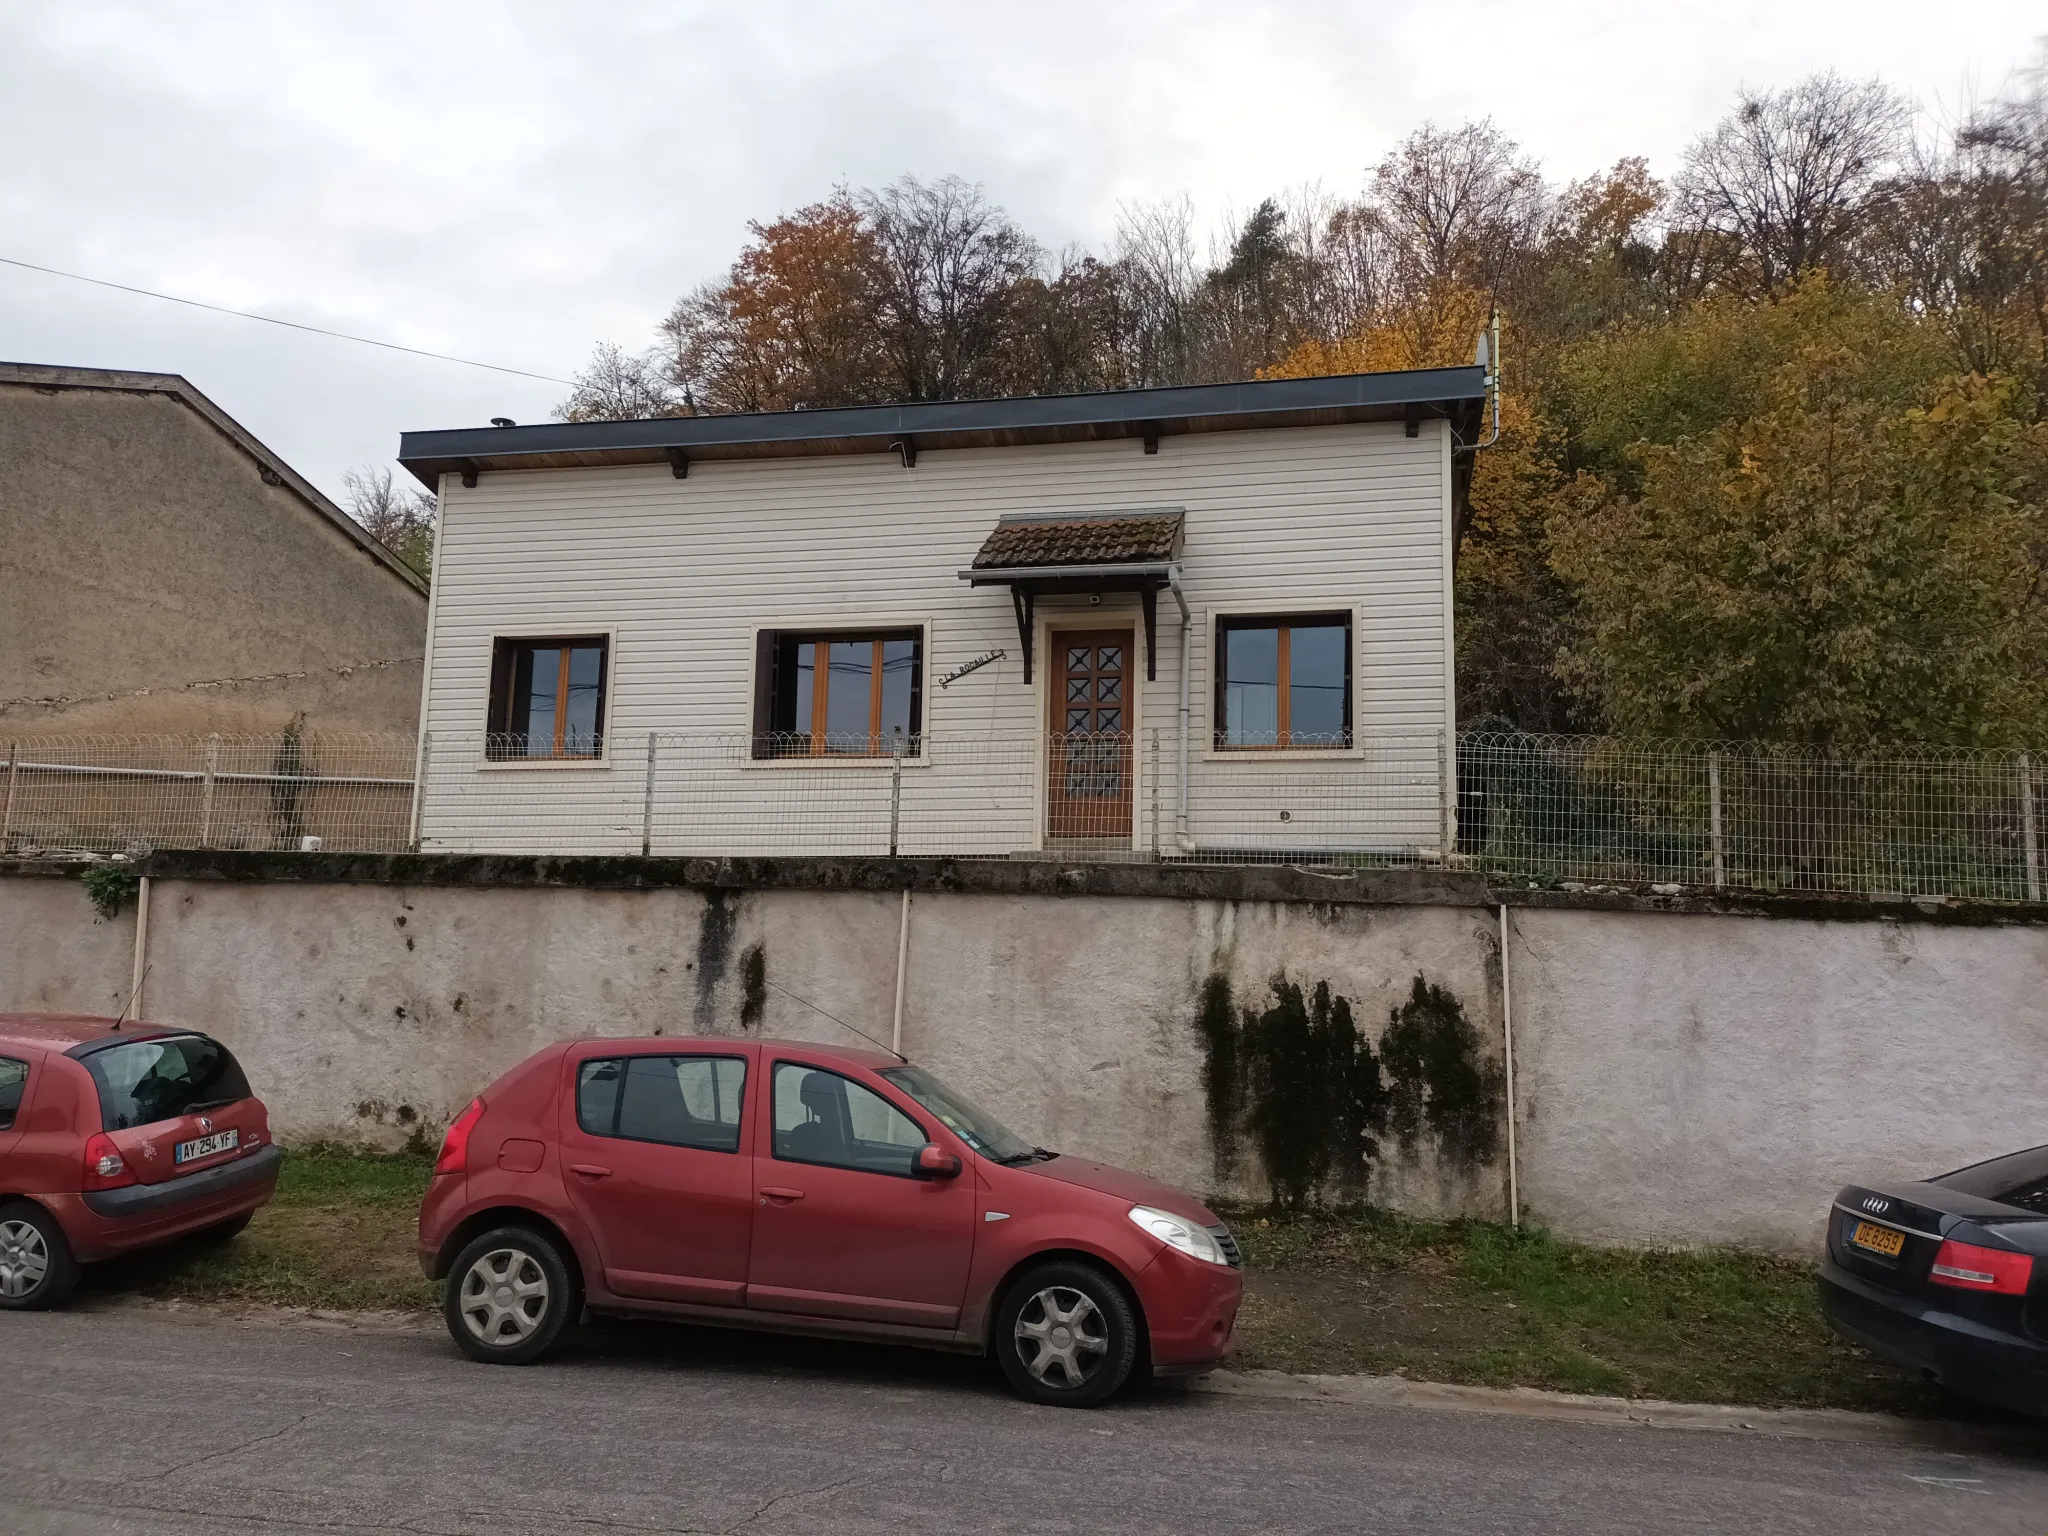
(1204, 621)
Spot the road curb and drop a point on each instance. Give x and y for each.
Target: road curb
(1636, 1413)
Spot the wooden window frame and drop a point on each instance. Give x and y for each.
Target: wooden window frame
(1286, 624)
(505, 651)
(769, 681)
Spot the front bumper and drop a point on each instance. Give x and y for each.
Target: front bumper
(2007, 1370)
(1190, 1312)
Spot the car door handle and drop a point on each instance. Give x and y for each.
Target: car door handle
(770, 1192)
(590, 1170)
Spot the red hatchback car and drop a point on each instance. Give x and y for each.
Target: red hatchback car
(809, 1189)
(116, 1139)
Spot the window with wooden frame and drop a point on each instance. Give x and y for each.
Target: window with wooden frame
(548, 698)
(843, 694)
(1283, 681)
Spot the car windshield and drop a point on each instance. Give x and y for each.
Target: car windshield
(144, 1081)
(975, 1126)
(2018, 1178)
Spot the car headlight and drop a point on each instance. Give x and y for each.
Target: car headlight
(1191, 1238)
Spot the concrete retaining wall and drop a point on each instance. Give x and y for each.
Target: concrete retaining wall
(1680, 1078)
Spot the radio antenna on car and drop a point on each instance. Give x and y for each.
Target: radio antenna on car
(837, 1020)
(133, 993)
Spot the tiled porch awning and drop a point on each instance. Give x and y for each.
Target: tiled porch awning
(1129, 551)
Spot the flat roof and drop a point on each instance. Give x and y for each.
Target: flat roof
(1453, 393)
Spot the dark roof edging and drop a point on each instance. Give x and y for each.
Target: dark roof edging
(179, 388)
(1036, 876)
(940, 423)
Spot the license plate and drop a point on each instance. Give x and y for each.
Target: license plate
(206, 1146)
(1884, 1240)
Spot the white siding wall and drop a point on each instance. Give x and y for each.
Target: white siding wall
(682, 572)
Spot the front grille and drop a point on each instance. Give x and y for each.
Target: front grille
(1228, 1243)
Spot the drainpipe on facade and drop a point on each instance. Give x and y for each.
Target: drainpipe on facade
(1180, 778)
(139, 971)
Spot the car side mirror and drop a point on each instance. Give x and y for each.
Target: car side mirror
(936, 1163)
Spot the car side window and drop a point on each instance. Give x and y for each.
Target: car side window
(823, 1118)
(13, 1084)
(679, 1101)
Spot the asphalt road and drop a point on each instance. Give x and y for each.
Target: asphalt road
(131, 1421)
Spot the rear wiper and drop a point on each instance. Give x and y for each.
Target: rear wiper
(203, 1106)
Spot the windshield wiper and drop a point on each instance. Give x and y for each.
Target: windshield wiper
(1035, 1155)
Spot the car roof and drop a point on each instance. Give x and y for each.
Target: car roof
(61, 1031)
(848, 1054)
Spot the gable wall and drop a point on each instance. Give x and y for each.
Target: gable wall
(153, 583)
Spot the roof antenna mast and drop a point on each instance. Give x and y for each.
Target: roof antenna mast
(133, 993)
(1487, 356)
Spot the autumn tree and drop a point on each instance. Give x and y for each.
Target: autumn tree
(399, 517)
(1832, 568)
(618, 385)
(1790, 175)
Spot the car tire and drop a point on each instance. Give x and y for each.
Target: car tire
(1066, 1334)
(511, 1295)
(37, 1269)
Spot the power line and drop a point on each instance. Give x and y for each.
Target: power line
(243, 314)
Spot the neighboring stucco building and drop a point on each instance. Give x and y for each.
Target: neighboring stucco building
(161, 571)
(1163, 621)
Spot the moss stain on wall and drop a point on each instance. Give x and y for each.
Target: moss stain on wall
(1312, 1095)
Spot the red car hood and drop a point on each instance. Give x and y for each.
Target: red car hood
(1123, 1185)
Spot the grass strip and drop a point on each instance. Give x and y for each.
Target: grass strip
(339, 1235)
(1327, 1291)
(1365, 1290)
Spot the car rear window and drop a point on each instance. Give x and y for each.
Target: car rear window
(2018, 1178)
(13, 1081)
(144, 1081)
(683, 1101)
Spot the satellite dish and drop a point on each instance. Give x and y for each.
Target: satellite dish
(1480, 354)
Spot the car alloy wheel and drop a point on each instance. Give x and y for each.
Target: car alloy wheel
(24, 1260)
(504, 1298)
(512, 1294)
(1062, 1338)
(36, 1266)
(1066, 1334)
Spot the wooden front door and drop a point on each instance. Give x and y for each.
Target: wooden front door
(1088, 792)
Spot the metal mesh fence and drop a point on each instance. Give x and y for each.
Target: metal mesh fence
(1542, 808)
(108, 794)
(1895, 821)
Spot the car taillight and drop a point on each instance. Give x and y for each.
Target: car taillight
(454, 1156)
(1968, 1267)
(105, 1167)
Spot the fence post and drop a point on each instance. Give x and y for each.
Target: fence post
(1720, 848)
(419, 790)
(2027, 827)
(895, 787)
(1153, 782)
(1447, 769)
(7, 811)
(206, 791)
(647, 802)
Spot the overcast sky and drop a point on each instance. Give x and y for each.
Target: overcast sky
(513, 182)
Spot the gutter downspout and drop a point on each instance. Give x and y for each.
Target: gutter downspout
(902, 959)
(1187, 674)
(140, 970)
(1507, 1025)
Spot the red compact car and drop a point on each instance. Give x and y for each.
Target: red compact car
(808, 1189)
(115, 1139)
